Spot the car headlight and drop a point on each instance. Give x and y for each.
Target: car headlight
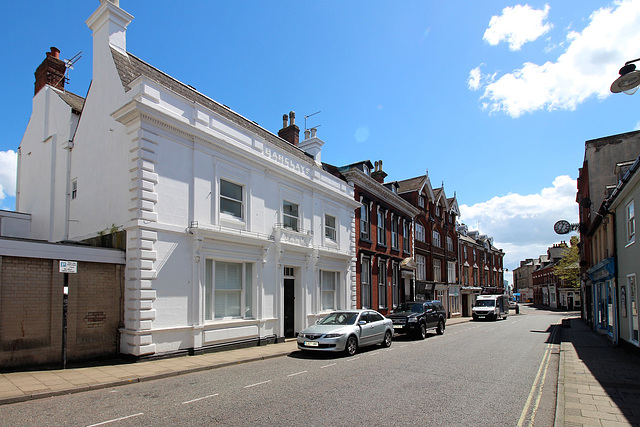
(333, 335)
(412, 320)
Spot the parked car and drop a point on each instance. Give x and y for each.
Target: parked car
(418, 317)
(492, 307)
(347, 330)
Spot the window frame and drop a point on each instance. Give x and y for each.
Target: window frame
(365, 223)
(365, 282)
(333, 293)
(74, 189)
(230, 199)
(328, 228)
(631, 222)
(395, 288)
(421, 234)
(286, 216)
(381, 227)
(451, 272)
(437, 270)
(382, 284)
(421, 267)
(436, 239)
(395, 237)
(406, 247)
(212, 292)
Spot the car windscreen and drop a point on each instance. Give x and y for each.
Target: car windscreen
(485, 303)
(339, 318)
(409, 308)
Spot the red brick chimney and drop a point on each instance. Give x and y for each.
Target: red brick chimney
(378, 174)
(51, 71)
(291, 132)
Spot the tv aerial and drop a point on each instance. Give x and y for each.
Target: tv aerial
(306, 117)
(68, 63)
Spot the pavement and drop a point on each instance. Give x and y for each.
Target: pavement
(598, 384)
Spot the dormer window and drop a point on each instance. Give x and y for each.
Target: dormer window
(421, 201)
(365, 169)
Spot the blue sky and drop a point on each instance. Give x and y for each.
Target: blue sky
(493, 98)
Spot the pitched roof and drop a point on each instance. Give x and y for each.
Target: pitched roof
(411, 184)
(74, 101)
(130, 67)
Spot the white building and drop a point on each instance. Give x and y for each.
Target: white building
(233, 234)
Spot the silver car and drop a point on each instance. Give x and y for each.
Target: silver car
(347, 330)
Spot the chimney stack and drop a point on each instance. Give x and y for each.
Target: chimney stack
(51, 71)
(290, 133)
(378, 174)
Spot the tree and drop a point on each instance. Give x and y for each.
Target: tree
(568, 268)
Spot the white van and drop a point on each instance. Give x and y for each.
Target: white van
(492, 307)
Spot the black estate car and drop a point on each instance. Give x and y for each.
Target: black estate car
(418, 317)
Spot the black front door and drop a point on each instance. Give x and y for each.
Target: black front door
(289, 302)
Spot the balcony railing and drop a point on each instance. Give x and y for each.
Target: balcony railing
(299, 237)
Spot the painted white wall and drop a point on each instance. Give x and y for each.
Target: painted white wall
(149, 161)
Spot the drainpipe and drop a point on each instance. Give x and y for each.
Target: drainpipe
(68, 146)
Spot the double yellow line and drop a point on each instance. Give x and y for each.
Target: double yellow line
(536, 389)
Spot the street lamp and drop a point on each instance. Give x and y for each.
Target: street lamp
(629, 79)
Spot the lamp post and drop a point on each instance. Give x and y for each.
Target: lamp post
(629, 79)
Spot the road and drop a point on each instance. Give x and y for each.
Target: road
(491, 373)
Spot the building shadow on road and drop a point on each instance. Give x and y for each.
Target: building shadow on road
(599, 374)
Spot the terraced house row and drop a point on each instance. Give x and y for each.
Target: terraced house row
(225, 233)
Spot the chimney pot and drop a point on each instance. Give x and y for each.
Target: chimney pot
(285, 121)
(55, 52)
(313, 132)
(51, 71)
(290, 132)
(307, 133)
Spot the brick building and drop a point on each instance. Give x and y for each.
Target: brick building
(481, 266)
(385, 269)
(435, 241)
(32, 289)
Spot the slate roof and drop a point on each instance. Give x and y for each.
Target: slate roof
(74, 101)
(411, 184)
(130, 67)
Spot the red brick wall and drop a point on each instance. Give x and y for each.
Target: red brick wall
(31, 304)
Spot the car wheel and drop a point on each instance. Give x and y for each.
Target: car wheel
(386, 342)
(422, 333)
(440, 328)
(352, 346)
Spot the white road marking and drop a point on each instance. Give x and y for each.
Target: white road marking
(351, 359)
(538, 383)
(297, 373)
(326, 366)
(253, 385)
(200, 398)
(116, 419)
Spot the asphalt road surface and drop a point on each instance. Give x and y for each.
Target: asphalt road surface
(500, 373)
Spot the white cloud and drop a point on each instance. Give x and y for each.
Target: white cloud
(522, 225)
(475, 77)
(517, 25)
(586, 68)
(8, 167)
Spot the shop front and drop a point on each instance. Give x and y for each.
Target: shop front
(604, 298)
